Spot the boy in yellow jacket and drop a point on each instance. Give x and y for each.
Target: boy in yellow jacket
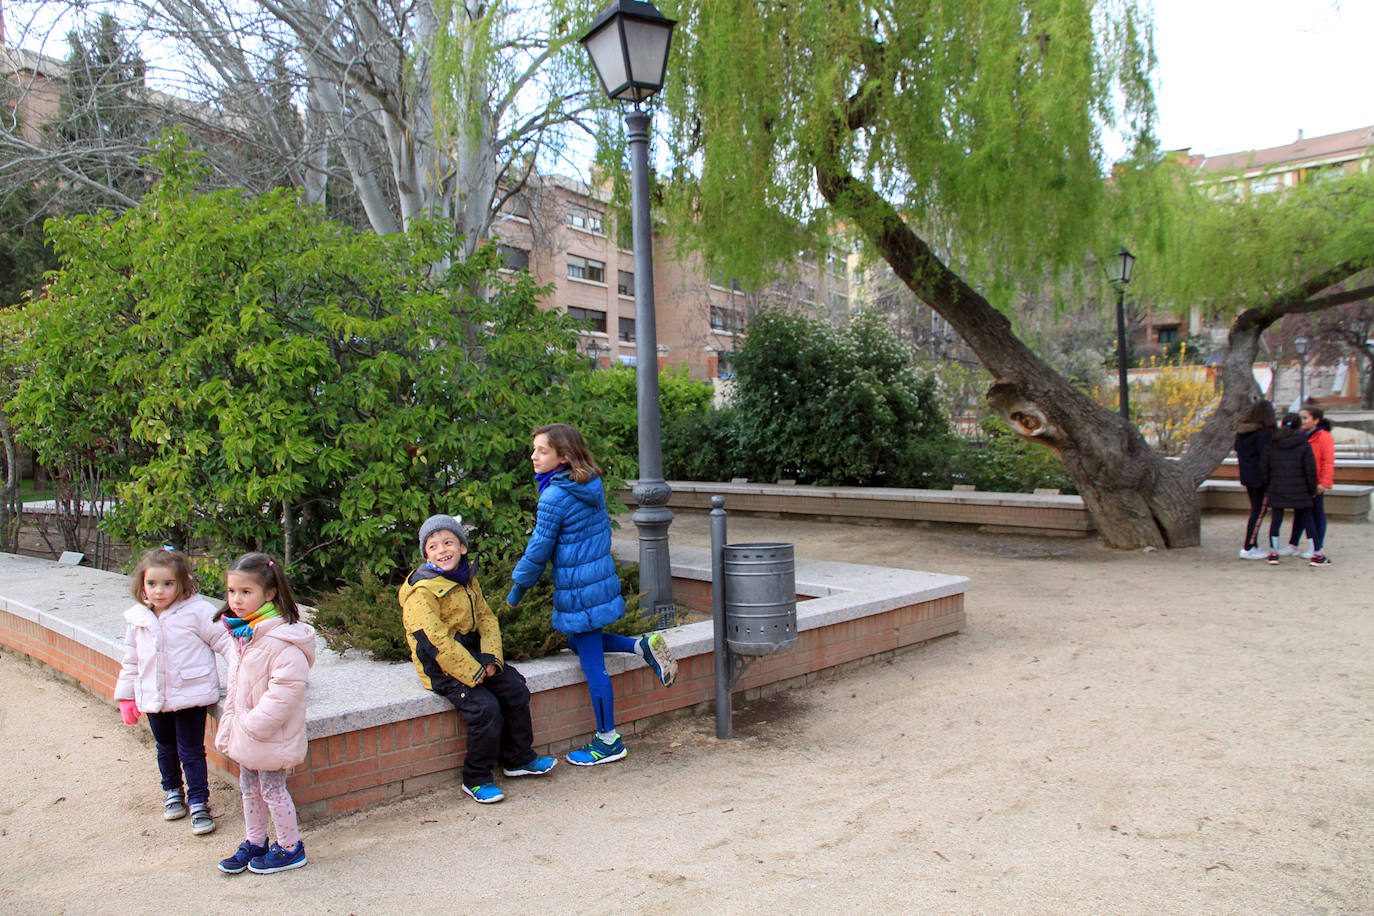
(455, 642)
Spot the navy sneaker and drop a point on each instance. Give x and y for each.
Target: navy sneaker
(597, 751)
(659, 657)
(238, 862)
(539, 766)
(1272, 559)
(278, 859)
(485, 794)
(1319, 559)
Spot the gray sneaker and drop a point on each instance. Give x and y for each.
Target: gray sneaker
(201, 821)
(174, 805)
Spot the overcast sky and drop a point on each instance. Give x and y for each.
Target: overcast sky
(1249, 74)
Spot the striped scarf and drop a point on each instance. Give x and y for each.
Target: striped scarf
(242, 627)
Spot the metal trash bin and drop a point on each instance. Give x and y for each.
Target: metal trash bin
(760, 598)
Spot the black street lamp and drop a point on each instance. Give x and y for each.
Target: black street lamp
(628, 45)
(1119, 270)
(1300, 346)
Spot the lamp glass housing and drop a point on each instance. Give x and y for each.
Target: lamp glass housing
(1121, 267)
(628, 45)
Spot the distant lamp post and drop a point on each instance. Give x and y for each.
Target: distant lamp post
(596, 349)
(1300, 345)
(628, 45)
(1119, 271)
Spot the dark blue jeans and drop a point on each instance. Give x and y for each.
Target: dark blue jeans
(180, 738)
(1316, 525)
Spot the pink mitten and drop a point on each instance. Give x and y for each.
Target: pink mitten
(129, 710)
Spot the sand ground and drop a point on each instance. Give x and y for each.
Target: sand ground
(1178, 732)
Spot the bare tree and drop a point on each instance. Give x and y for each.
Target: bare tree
(438, 107)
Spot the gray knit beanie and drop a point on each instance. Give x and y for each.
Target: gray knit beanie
(442, 523)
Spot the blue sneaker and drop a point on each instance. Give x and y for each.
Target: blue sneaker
(486, 794)
(597, 751)
(278, 859)
(539, 766)
(659, 657)
(238, 862)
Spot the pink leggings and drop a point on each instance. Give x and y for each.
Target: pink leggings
(264, 791)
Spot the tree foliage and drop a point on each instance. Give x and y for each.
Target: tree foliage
(260, 378)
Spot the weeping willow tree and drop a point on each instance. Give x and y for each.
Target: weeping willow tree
(962, 139)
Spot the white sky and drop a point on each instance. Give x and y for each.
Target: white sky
(1238, 75)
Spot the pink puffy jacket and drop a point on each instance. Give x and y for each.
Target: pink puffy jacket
(169, 658)
(262, 720)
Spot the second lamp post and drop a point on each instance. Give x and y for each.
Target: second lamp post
(628, 45)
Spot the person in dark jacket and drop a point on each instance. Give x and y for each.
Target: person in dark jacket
(572, 533)
(1289, 470)
(1253, 432)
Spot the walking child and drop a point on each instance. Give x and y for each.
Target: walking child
(572, 532)
(455, 642)
(263, 717)
(169, 672)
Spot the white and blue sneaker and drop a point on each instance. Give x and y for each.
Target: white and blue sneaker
(539, 766)
(597, 751)
(659, 657)
(485, 794)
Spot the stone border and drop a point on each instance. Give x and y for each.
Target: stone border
(364, 750)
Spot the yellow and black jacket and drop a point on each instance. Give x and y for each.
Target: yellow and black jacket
(451, 630)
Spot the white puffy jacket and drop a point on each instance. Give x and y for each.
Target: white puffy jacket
(169, 658)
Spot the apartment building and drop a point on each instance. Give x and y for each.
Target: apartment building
(566, 233)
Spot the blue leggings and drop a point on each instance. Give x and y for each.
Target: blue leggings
(591, 649)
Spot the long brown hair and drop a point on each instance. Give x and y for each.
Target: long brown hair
(174, 560)
(265, 569)
(572, 448)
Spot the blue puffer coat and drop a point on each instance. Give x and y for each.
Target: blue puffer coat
(573, 531)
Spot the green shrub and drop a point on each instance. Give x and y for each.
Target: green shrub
(1005, 463)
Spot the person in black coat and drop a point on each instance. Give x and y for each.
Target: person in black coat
(1289, 470)
(1253, 432)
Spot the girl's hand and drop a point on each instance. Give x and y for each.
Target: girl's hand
(128, 709)
(491, 671)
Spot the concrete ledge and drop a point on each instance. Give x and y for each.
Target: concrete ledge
(1354, 471)
(375, 734)
(1024, 513)
(1343, 501)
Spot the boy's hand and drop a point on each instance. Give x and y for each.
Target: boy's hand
(491, 671)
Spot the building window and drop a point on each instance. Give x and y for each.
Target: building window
(1167, 335)
(583, 218)
(724, 319)
(586, 269)
(839, 303)
(808, 293)
(627, 330)
(513, 258)
(725, 364)
(837, 265)
(1266, 185)
(625, 282)
(594, 320)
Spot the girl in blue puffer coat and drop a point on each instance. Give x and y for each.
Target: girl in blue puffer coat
(572, 531)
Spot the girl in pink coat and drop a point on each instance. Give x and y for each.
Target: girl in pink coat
(169, 672)
(262, 724)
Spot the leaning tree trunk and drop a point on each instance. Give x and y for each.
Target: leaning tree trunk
(1135, 496)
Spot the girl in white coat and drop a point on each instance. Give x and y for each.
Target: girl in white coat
(169, 672)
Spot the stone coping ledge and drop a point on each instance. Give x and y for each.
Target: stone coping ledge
(349, 691)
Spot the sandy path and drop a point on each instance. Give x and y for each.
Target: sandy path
(1175, 732)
